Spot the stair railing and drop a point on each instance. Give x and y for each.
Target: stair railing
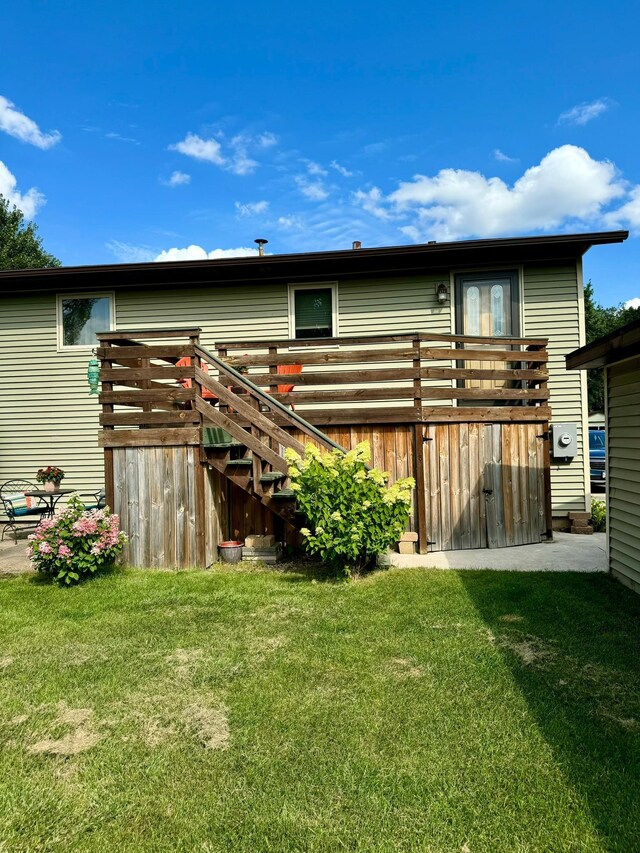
(262, 397)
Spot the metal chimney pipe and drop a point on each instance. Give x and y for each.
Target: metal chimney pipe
(261, 244)
(356, 244)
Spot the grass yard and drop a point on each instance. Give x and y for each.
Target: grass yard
(262, 711)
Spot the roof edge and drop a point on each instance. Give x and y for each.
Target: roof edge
(618, 345)
(584, 241)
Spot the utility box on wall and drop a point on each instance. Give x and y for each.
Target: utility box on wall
(564, 441)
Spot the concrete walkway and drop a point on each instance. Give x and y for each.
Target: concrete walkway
(567, 553)
(13, 558)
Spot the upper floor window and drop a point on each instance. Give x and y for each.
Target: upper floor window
(81, 316)
(313, 311)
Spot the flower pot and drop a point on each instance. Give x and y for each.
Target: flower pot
(230, 552)
(49, 486)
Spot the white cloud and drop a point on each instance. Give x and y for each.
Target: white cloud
(28, 202)
(197, 253)
(501, 157)
(372, 201)
(567, 186)
(628, 214)
(584, 113)
(341, 169)
(632, 303)
(177, 179)
(289, 222)
(315, 168)
(232, 155)
(267, 140)
(252, 208)
(313, 190)
(195, 146)
(120, 138)
(16, 124)
(127, 253)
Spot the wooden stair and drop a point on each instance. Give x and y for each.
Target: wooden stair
(241, 440)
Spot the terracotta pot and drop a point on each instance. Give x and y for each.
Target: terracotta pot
(49, 486)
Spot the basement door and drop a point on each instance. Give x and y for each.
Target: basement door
(484, 485)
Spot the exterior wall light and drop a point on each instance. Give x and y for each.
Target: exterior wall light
(442, 292)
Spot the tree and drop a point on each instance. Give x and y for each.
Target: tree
(20, 245)
(601, 321)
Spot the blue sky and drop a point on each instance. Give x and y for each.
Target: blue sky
(132, 131)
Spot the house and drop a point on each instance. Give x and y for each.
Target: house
(618, 353)
(400, 311)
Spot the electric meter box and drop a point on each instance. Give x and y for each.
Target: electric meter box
(564, 441)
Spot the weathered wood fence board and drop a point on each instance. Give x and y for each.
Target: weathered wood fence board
(485, 484)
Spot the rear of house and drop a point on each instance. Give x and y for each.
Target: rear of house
(518, 288)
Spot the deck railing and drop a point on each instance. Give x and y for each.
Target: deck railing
(402, 378)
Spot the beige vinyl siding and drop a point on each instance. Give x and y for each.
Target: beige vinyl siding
(552, 308)
(623, 464)
(223, 313)
(46, 415)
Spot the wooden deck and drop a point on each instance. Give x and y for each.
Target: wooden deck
(467, 417)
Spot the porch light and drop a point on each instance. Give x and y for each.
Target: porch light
(442, 292)
(93, 374)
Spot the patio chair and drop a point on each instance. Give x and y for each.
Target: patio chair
(93, 500)
(20, 510)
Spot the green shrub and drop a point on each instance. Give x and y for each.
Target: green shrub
(352, 514)
(598, 515)
(76, 543)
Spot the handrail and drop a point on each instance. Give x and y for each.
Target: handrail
(290, 415)
(355, 340)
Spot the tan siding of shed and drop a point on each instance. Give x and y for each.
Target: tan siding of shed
(553, 309)
(623, 465)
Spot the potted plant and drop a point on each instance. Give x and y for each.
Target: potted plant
(51, 477)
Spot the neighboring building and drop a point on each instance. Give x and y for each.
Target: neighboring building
(522, 287)
(619, 355)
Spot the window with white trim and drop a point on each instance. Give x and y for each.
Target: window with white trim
(80, 316)
(313, 311)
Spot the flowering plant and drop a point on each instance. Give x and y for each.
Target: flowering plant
(51, 474)
(76, 543)
(352, 514)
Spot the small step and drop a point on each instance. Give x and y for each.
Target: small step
(244, 462)
(284, 494)
(219, 439)
(271, 477)
(229, 445)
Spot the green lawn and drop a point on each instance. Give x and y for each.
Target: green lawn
(262, 711)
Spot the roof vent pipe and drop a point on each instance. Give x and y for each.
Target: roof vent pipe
(356, 244)
(261, 244)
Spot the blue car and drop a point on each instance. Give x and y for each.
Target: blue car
(597, 456)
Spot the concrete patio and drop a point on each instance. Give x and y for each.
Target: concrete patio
(567, 553)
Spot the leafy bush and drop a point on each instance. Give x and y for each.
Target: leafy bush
(352, 514)
(598, 515)
(76, 543)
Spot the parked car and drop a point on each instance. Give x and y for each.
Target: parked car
(597, 455)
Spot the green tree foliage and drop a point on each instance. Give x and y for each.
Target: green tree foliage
(601, 321)
(20, 246)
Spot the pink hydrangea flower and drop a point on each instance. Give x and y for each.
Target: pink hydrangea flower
(64, 551)
(45, 548)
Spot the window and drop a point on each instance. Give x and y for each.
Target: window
(80, 317)
(488, 304)
(312, 311)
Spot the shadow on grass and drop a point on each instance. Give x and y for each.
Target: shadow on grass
(572, 643)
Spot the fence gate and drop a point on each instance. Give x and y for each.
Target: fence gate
(484, 485)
